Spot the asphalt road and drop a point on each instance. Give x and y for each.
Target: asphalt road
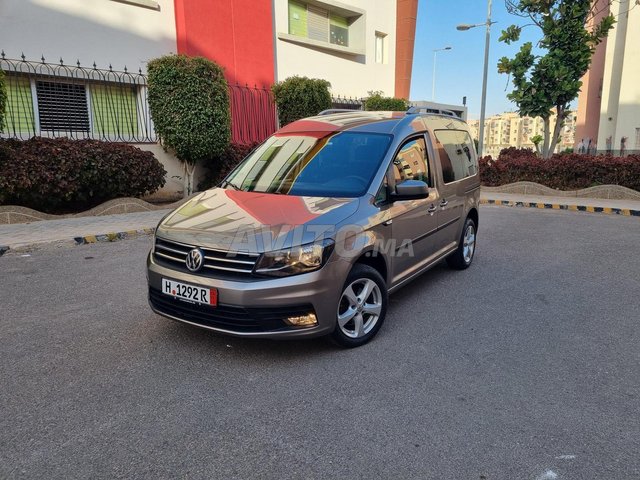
(525, 366)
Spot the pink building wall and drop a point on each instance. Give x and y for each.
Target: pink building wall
(588, 116)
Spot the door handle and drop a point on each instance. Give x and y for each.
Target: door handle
(444, 202)
(432, 209)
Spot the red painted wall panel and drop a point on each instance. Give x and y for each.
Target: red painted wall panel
(406, 17)
(237, 34)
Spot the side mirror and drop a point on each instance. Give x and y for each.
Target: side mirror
(411, 190)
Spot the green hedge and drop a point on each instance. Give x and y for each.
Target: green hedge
(189, 103)
(563, 171)
(377, 102)
(61, 175)
(300, 97)
(3, 99)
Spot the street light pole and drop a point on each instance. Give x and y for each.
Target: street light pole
(483, 100)
(483, 103)
(433, 83)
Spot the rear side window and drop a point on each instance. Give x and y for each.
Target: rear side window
(457, 155)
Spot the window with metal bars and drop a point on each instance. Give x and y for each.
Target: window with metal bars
(62, 107)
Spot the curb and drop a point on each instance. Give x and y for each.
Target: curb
(558, 206)
(84, 240)
(113, 236)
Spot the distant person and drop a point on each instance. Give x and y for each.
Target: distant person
(609, 145)
(623, 146)
(581, 146)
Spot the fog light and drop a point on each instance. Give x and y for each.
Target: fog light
(303, 320)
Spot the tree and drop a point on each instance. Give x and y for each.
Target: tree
(301, 97)
(3, 99)
(551, 81)
(189, 104)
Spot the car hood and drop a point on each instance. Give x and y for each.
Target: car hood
(233, 220)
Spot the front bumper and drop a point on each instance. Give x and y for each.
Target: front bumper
(255, 307)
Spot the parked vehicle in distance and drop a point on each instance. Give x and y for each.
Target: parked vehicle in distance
(314, 229)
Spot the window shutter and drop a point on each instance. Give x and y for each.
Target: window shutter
(62, 107)
(317, 23)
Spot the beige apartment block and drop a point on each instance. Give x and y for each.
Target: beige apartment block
(511, 130)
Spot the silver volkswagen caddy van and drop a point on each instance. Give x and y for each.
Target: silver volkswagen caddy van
(318, 225)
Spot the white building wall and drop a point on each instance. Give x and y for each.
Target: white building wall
(620, 106)
(350, 75)
(628, 120)
(104, 31)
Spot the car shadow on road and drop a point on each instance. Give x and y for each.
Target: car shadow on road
(183, 336)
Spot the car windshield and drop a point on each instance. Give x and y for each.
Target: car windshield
(338, 165)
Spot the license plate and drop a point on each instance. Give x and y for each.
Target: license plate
(190, 293)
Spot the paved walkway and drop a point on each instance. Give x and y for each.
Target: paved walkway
(83, 228)
(599, 203)
(113, 227)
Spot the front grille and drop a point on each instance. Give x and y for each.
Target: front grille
(228, 317)
(216, 262)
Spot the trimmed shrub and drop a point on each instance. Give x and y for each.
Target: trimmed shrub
(377, 102)
(3, 99)
(61, 175)
(566, 171)
(300, 97)
(221, 166)
(189, 104)
(514, 152)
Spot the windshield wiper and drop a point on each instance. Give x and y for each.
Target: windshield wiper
(227, 183)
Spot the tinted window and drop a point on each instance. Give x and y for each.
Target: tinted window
(457, 154)
(339, 165)
(411, 162)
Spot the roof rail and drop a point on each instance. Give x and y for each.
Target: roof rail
(331, 111)
(416, 110)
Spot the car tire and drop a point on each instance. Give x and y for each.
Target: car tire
(463, 256)
(358, 319)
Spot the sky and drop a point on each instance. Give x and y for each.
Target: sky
(459, 70)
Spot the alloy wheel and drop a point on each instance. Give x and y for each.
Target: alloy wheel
(468, 243)
(359, 308)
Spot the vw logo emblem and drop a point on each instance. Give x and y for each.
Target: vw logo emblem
(194, 260)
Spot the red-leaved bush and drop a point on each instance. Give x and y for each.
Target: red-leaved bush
(219, 167)
(57, 175)
(567, 171)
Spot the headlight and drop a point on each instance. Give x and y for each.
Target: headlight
(295, 260)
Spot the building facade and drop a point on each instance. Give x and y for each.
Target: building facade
(80, 70)
(609, 102)
(511, 130)
(352, 44)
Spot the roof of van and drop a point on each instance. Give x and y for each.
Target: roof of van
(369, 122)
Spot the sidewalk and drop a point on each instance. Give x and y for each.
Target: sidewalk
(79, 230)
(592, 205)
